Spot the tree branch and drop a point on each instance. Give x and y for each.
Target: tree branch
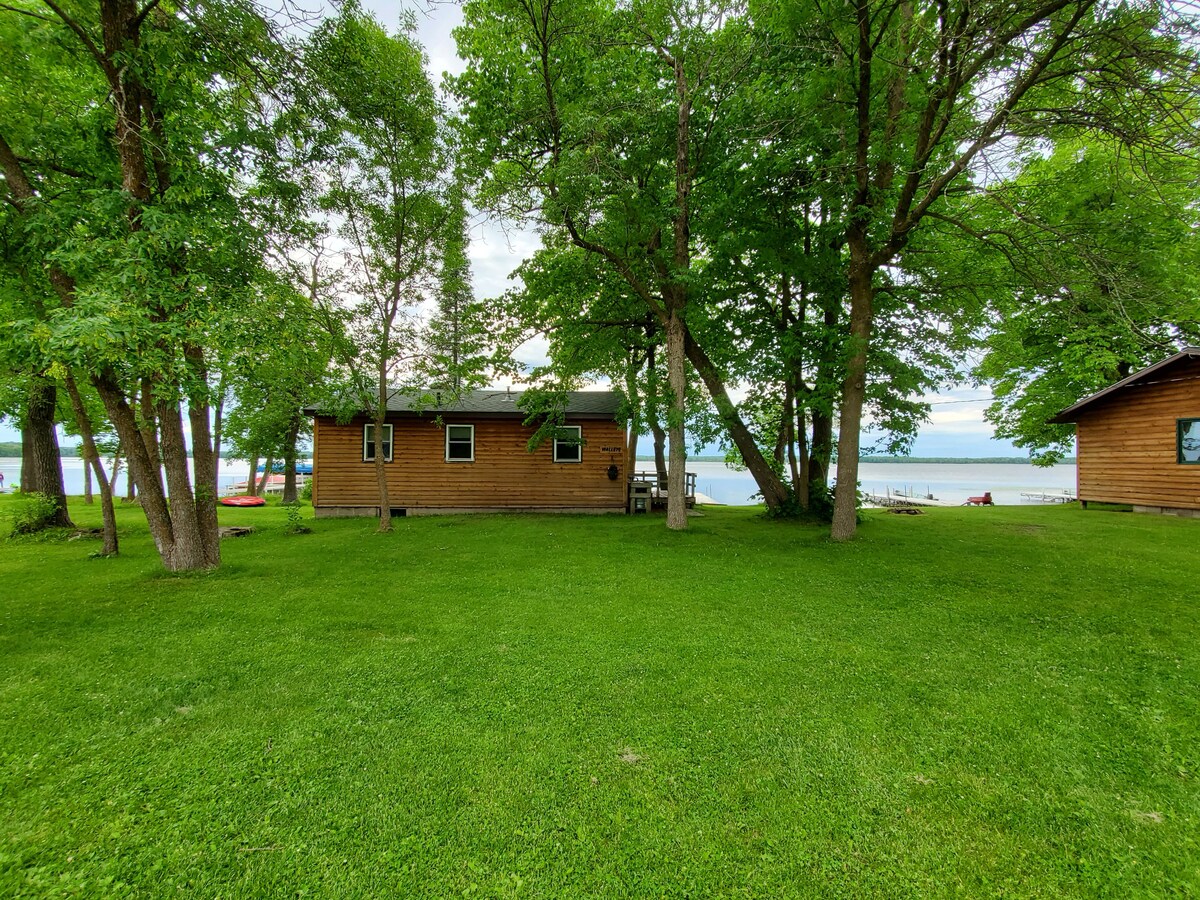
(106, 65)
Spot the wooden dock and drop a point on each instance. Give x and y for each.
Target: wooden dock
(894, 499)
(1063, 496)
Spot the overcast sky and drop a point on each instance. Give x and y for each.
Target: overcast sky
(956, 428)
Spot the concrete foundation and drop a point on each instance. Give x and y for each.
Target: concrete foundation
(1169, 511)
(342, 512)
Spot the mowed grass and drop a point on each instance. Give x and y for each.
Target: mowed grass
(976, 702)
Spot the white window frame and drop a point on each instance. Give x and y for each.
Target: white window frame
(577, 444)
(450, 425)
(368, 447)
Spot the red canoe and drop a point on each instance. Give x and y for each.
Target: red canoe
(242, 501)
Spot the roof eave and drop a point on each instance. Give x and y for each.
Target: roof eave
(1070, 415)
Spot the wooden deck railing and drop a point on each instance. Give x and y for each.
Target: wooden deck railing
(658, 486)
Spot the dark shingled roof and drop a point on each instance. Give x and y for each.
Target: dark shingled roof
(1071, 413)
(499, 402)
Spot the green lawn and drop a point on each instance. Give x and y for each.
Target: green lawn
(975, 702)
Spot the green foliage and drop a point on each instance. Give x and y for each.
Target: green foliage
(381, 145)
(295, 520)
(910, 715)
(306, 491)
(1100, 276)
(32, 512)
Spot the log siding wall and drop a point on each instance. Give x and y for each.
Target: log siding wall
(503, 475)
(1126, 444)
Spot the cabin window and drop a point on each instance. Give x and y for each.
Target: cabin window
(369, 443)
(460, 443)
(568, 444)
(1188, 442)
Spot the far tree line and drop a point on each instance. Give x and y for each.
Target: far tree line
(773, 225)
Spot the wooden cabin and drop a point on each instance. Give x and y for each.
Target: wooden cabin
(472, 455)
(1138, 441)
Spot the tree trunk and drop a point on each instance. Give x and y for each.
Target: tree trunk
(676, 301)
(139, 463)
(804, 485)
(774, 491)
(820, 453)
(660, 450)
(854, 391)
(150, 439)
(41, 468)
(175, 528)
(676, 470)
(218, 422)
(266, 476)
(631, 434)
(289, 458)
(107, 510)
(84, 422)
(385, 508)
(252, 480)
(190, 551)
(653, 404)
(116, 469)
(794, 436)
(204, 462)
(87, 477)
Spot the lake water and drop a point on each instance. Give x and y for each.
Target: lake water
(232, 471)
(951, 482)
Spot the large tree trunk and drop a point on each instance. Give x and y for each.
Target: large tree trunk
(854, 392)
(676, 300)
(84, 422)
(149, 430)
(252, 479)
(204, 462)
(41, 467)
(289, 459)
(175, 528)
(820, 452)
(676, 470)
(189, 551)
(139, 462)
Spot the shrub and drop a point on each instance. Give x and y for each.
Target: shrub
(32, 512)
(306, 491)
(295, 521)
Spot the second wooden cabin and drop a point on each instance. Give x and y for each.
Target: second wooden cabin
(1138, 441)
